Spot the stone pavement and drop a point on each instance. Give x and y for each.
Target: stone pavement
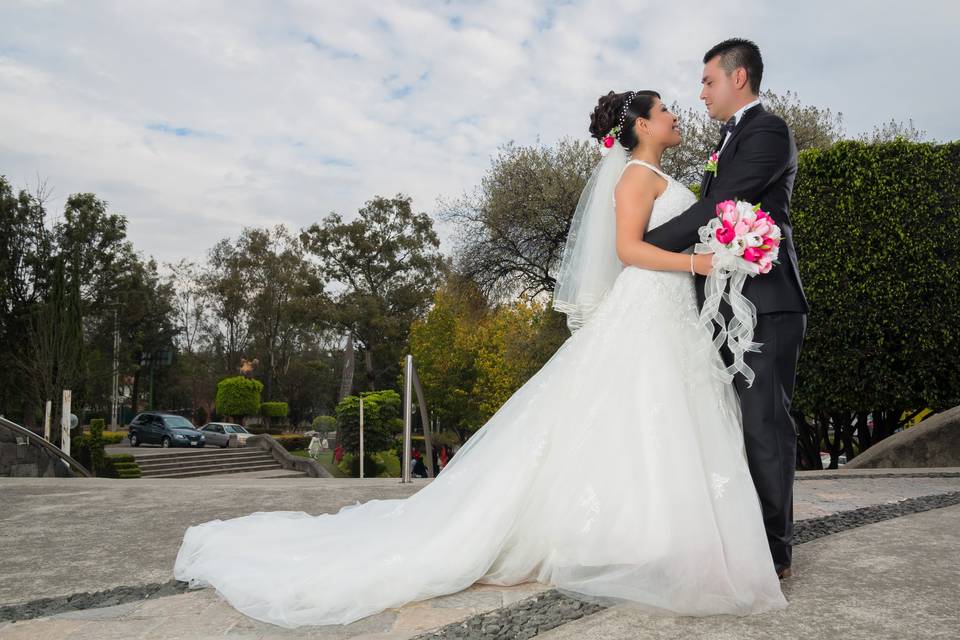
(894, 579)
(125, 533)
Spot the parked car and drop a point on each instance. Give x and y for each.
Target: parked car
(220, 432)
(165, 429)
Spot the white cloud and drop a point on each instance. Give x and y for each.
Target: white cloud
(195, 119)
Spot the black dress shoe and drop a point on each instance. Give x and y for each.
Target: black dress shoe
(784, 573)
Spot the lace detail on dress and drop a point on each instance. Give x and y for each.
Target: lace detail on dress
(718, 484)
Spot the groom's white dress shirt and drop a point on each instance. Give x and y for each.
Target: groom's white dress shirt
(737, 116)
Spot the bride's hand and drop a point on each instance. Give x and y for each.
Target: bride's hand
(703, 263)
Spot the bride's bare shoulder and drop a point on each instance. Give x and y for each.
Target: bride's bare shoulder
(638, 181)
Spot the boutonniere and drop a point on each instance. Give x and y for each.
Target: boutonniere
(711, 165)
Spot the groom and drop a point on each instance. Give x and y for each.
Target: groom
(758, 163)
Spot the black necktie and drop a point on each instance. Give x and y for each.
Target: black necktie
(726, 128)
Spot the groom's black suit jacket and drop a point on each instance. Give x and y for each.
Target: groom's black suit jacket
(758, 164)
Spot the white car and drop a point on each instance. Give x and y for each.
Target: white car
(218, 433)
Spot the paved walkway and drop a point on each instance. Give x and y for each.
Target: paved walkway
(123, 533)
(898, 579)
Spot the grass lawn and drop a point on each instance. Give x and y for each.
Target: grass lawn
(388, 458)
(325, 459)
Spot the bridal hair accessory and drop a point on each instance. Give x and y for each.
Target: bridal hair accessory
(611, 137)
(745, 241)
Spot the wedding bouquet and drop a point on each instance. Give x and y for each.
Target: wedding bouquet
(745, 242)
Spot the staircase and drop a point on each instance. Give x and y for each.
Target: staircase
(206, 462)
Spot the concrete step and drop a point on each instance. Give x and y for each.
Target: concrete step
(194, 473)
(199, 459)
(189, 465)
(158, 454)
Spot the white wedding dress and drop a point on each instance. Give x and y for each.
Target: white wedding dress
(618, 470)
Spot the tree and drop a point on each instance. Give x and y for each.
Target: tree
(226, 284)
(24, 280)
(77, 269)
(471, 357)
(195, 370)
(62, 282)
(388, 265)
(286, 297)
(512, 229)
(510, 349)
(813, 127)
(238, 396)
(147, 326)
(444, 348)
(893, 130)
(382, 423)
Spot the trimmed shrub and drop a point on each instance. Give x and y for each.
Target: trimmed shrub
(238, 396)
(274, 409)
(371, 467)
(97, 453)
(121, 465)
(262, 428)
(874, 227)
(292, 442)
(113, 437)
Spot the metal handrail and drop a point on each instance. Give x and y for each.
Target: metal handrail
(411, 382)
(46, 445)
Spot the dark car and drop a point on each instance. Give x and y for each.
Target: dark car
(164, 429)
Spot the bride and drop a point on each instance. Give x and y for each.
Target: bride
(617, 471)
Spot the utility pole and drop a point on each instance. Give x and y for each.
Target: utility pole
(361, 436)
(115, 396)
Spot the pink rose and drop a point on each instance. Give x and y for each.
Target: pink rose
(771, 242)
(726, 234)
(742, 227)
(608, 141)
(765, 267)
(761, 227)
(752, 254)
(726, 206)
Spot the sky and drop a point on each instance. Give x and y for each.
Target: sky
(197, 118)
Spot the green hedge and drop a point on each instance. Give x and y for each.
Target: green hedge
(96, 446)
(113, 437)
(238, 396)
(88, 450)
(274, 409)
(262, 428)
(122, 465)
(874, 227)
(293, 442)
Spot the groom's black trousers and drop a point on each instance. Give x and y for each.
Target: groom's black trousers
(770, 434)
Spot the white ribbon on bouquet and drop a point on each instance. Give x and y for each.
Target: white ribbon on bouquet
(725, 282)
